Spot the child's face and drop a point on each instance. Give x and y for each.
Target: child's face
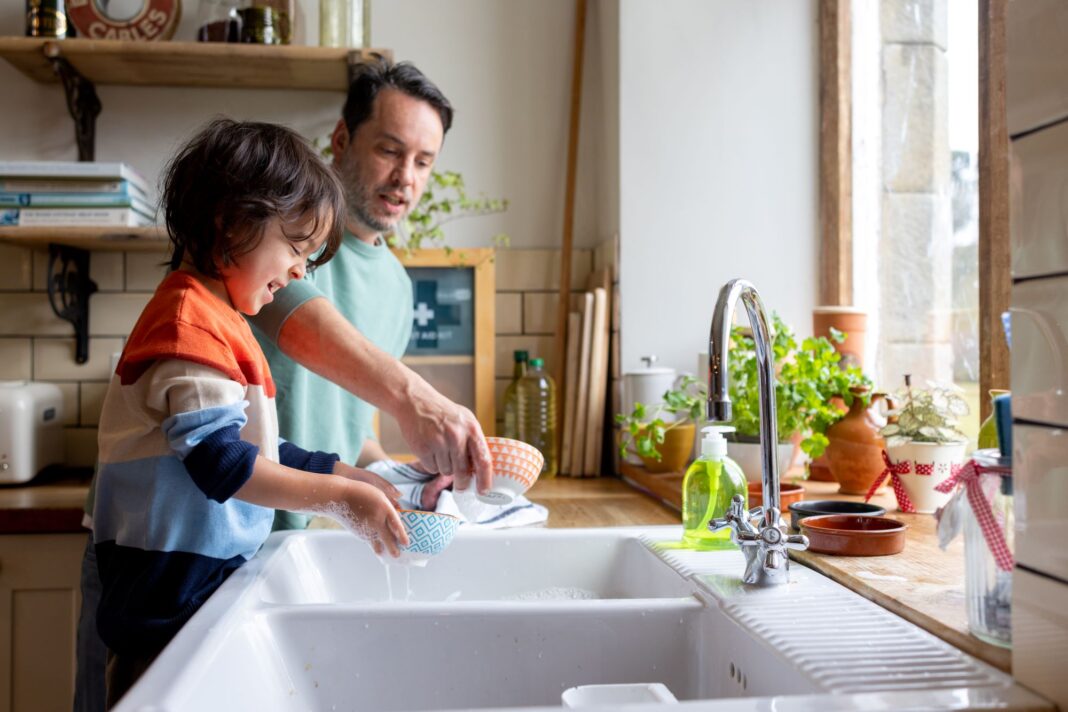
(255, 276)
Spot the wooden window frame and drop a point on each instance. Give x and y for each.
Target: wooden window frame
(836, 175)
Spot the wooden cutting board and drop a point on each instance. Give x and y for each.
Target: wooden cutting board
(571, 367)
(578, 441)
(597, 383)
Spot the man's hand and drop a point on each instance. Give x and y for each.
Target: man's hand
(359, 474)
(446, 438)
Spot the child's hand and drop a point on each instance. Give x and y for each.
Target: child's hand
(359, 474)
(376, 517)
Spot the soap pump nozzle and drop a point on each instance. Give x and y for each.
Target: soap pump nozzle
(713, 444)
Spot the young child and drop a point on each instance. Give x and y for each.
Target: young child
(190, 465)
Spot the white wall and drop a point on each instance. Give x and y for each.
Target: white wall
(506, 66)
(719, 166)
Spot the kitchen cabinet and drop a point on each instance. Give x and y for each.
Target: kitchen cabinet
(39, 603)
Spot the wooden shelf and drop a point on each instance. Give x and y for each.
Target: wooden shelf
(189, 64)
(112, 239)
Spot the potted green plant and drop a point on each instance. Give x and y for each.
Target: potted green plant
(662, 433)
(924, 442)
(445, 199)
(808, 379)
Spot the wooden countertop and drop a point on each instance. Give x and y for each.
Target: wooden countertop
(922, 584)
(53, 503)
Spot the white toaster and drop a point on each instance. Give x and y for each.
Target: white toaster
(31, 431)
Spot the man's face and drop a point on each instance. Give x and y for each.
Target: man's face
(386, 162)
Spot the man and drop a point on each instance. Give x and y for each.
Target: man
(384, 147)
(392, 129)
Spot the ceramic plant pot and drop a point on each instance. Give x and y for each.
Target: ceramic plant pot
(748, 457)
(674, 451)
(819, 470)
(928, 464)
(855, 448)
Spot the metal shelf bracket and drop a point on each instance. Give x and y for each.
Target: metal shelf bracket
(82, 101)
(69, 289)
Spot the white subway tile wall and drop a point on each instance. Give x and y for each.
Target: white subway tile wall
(16, 269)
(37, 345)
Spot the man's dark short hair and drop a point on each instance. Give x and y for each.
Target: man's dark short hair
(222, 189)
(373, 77)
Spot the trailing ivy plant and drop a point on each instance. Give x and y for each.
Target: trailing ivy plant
(445, 199)
(926, 415)
(807, 380)
(644, 428)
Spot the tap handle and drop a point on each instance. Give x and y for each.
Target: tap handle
(798, 542)
(774, 559)
(719, 523)
(755, 513)
(737, 507)
(742, 537)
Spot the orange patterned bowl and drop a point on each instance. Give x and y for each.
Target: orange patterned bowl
(516, 467)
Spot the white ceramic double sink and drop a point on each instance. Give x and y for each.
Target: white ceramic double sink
(510, 619)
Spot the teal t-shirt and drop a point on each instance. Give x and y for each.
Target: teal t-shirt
(371, 289)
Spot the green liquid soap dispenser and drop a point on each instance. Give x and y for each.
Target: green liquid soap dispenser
(710, 483)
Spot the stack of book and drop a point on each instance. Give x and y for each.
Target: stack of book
(67, 194)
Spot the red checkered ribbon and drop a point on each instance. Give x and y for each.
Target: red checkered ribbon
(892, 471)
(970, 477)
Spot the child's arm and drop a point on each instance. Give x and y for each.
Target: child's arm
(361, 475)
(360, 507)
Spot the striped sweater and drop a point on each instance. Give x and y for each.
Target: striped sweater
(190, 407)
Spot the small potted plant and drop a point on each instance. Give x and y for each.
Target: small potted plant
(924, 443)
(808, 378)
(662, 434)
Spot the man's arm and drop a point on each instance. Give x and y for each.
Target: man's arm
(446, 437)
(370, 452)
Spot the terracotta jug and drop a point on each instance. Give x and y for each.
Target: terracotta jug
(855, 447)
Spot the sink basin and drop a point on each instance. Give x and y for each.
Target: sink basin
(480, 566)
(510, 620)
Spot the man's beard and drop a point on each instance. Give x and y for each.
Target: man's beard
(359, 200)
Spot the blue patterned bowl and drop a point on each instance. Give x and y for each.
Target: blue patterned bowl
(429, 533)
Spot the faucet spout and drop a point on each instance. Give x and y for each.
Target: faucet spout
(764, 547)
(719, 401)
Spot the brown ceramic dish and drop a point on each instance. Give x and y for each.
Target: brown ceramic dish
(788, 494)
(853, 535)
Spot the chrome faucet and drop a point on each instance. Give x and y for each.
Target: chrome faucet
(764, 545)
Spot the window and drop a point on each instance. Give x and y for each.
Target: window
(915, 191)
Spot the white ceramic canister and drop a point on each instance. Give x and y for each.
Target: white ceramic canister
(646, 385)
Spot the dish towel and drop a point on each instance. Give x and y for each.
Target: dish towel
(463, 505)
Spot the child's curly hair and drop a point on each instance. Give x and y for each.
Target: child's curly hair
(222, 188)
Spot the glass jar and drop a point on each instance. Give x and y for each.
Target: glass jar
(219, 21)
(284, 17)
(344, 23)
(988, 587)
